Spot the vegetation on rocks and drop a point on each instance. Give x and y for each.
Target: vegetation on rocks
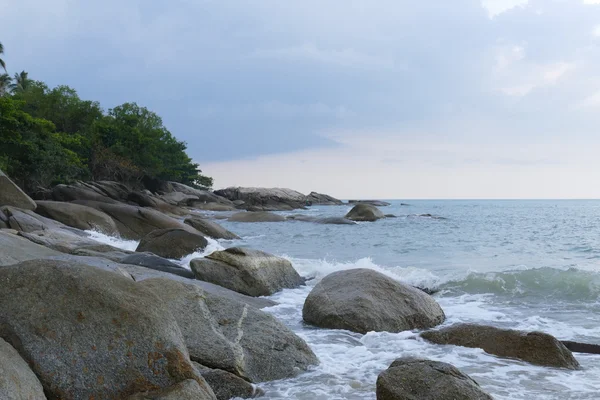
(51, 136)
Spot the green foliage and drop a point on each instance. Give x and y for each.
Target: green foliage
(51, 136)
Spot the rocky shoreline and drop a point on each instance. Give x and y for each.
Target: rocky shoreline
(84, 320)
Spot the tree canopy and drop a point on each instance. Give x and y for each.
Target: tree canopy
(52, 136)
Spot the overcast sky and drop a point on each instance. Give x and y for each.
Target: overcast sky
(387, 98)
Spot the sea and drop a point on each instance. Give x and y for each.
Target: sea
(530, 265)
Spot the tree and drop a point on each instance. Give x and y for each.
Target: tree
(5, 84)
(2, 63)
(22, 82)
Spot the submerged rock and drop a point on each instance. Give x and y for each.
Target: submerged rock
(257, 216)
(78, 216)
(414, 379)
(210, 228)
(186, 390)
(94, 333)
(581, 347)
(247, 271)
(12, 195)
(172, 243)
(534, 347)
(226, 334)
(265, 199)
(17, 380)
(365, 212)
(363, 300)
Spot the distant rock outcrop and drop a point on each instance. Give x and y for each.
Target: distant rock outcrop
(315, 198)
(257, 199)
(376, 203)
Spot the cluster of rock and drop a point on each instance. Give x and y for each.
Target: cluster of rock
(82, 319)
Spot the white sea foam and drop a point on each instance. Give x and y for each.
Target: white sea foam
(124, 244)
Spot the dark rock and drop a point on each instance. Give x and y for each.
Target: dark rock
(258, 216)
(136, 222)
(210, 228)
(94, 333)
(172, 243)
(581, 347)
(376, 203)
(363, 300)
(17, 380)
(148, 200)
(152, 261)
(390, 216)
(178, 198)
(302, 218)
(78, 216)
(12, 195)
(76, 193)
(227, 385)
(264, 199)
(335, 221)
(186, 390)
(364, 212)
(322, 199)
(414, 379)
(534, 347)
(247, 271)
(232, 336)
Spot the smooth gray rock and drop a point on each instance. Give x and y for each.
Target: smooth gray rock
(200, 205)
(323, 199)
(247, 271)
(415, 379)
(365, 212)
(533, 347)
(232, 336)
(210, 228)
(172, 243)
(275, 199)
(17, 380)
(28, 221)
(152, 261)
(12, 195)
(335, 221)
(178, 198)
(79, 193)
(187, 390)
(136, 222)
(362, 300)
(376, 203)
(301, 217)
(256, 216)
(78, 216)
(93, 333)
(227, 385)
(141, 273)
(148, 200)
(15, 249)
(69, 242)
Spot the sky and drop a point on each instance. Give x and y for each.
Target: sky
(355, 98)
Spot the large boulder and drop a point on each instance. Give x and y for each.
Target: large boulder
(264, 199)
(414, 379)
(226, 385)
(362, 300)
(235, 337)
(94, 333)
(533, 347)
(72, 242)
(79, 193)
(27, 221)
(12, 195)
(136, 222)
(212, 206)
(315, 198)
(178, 198)
(186, 390)
(365, 212)
(148, 200)
(258, 216)
(247, 271)
(172, 243)
(78, 216)
(152, 261)
(17, 380)
(210, 228)
(376, 203)
(15, 249)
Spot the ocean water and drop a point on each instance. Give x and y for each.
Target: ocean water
(530, 265)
